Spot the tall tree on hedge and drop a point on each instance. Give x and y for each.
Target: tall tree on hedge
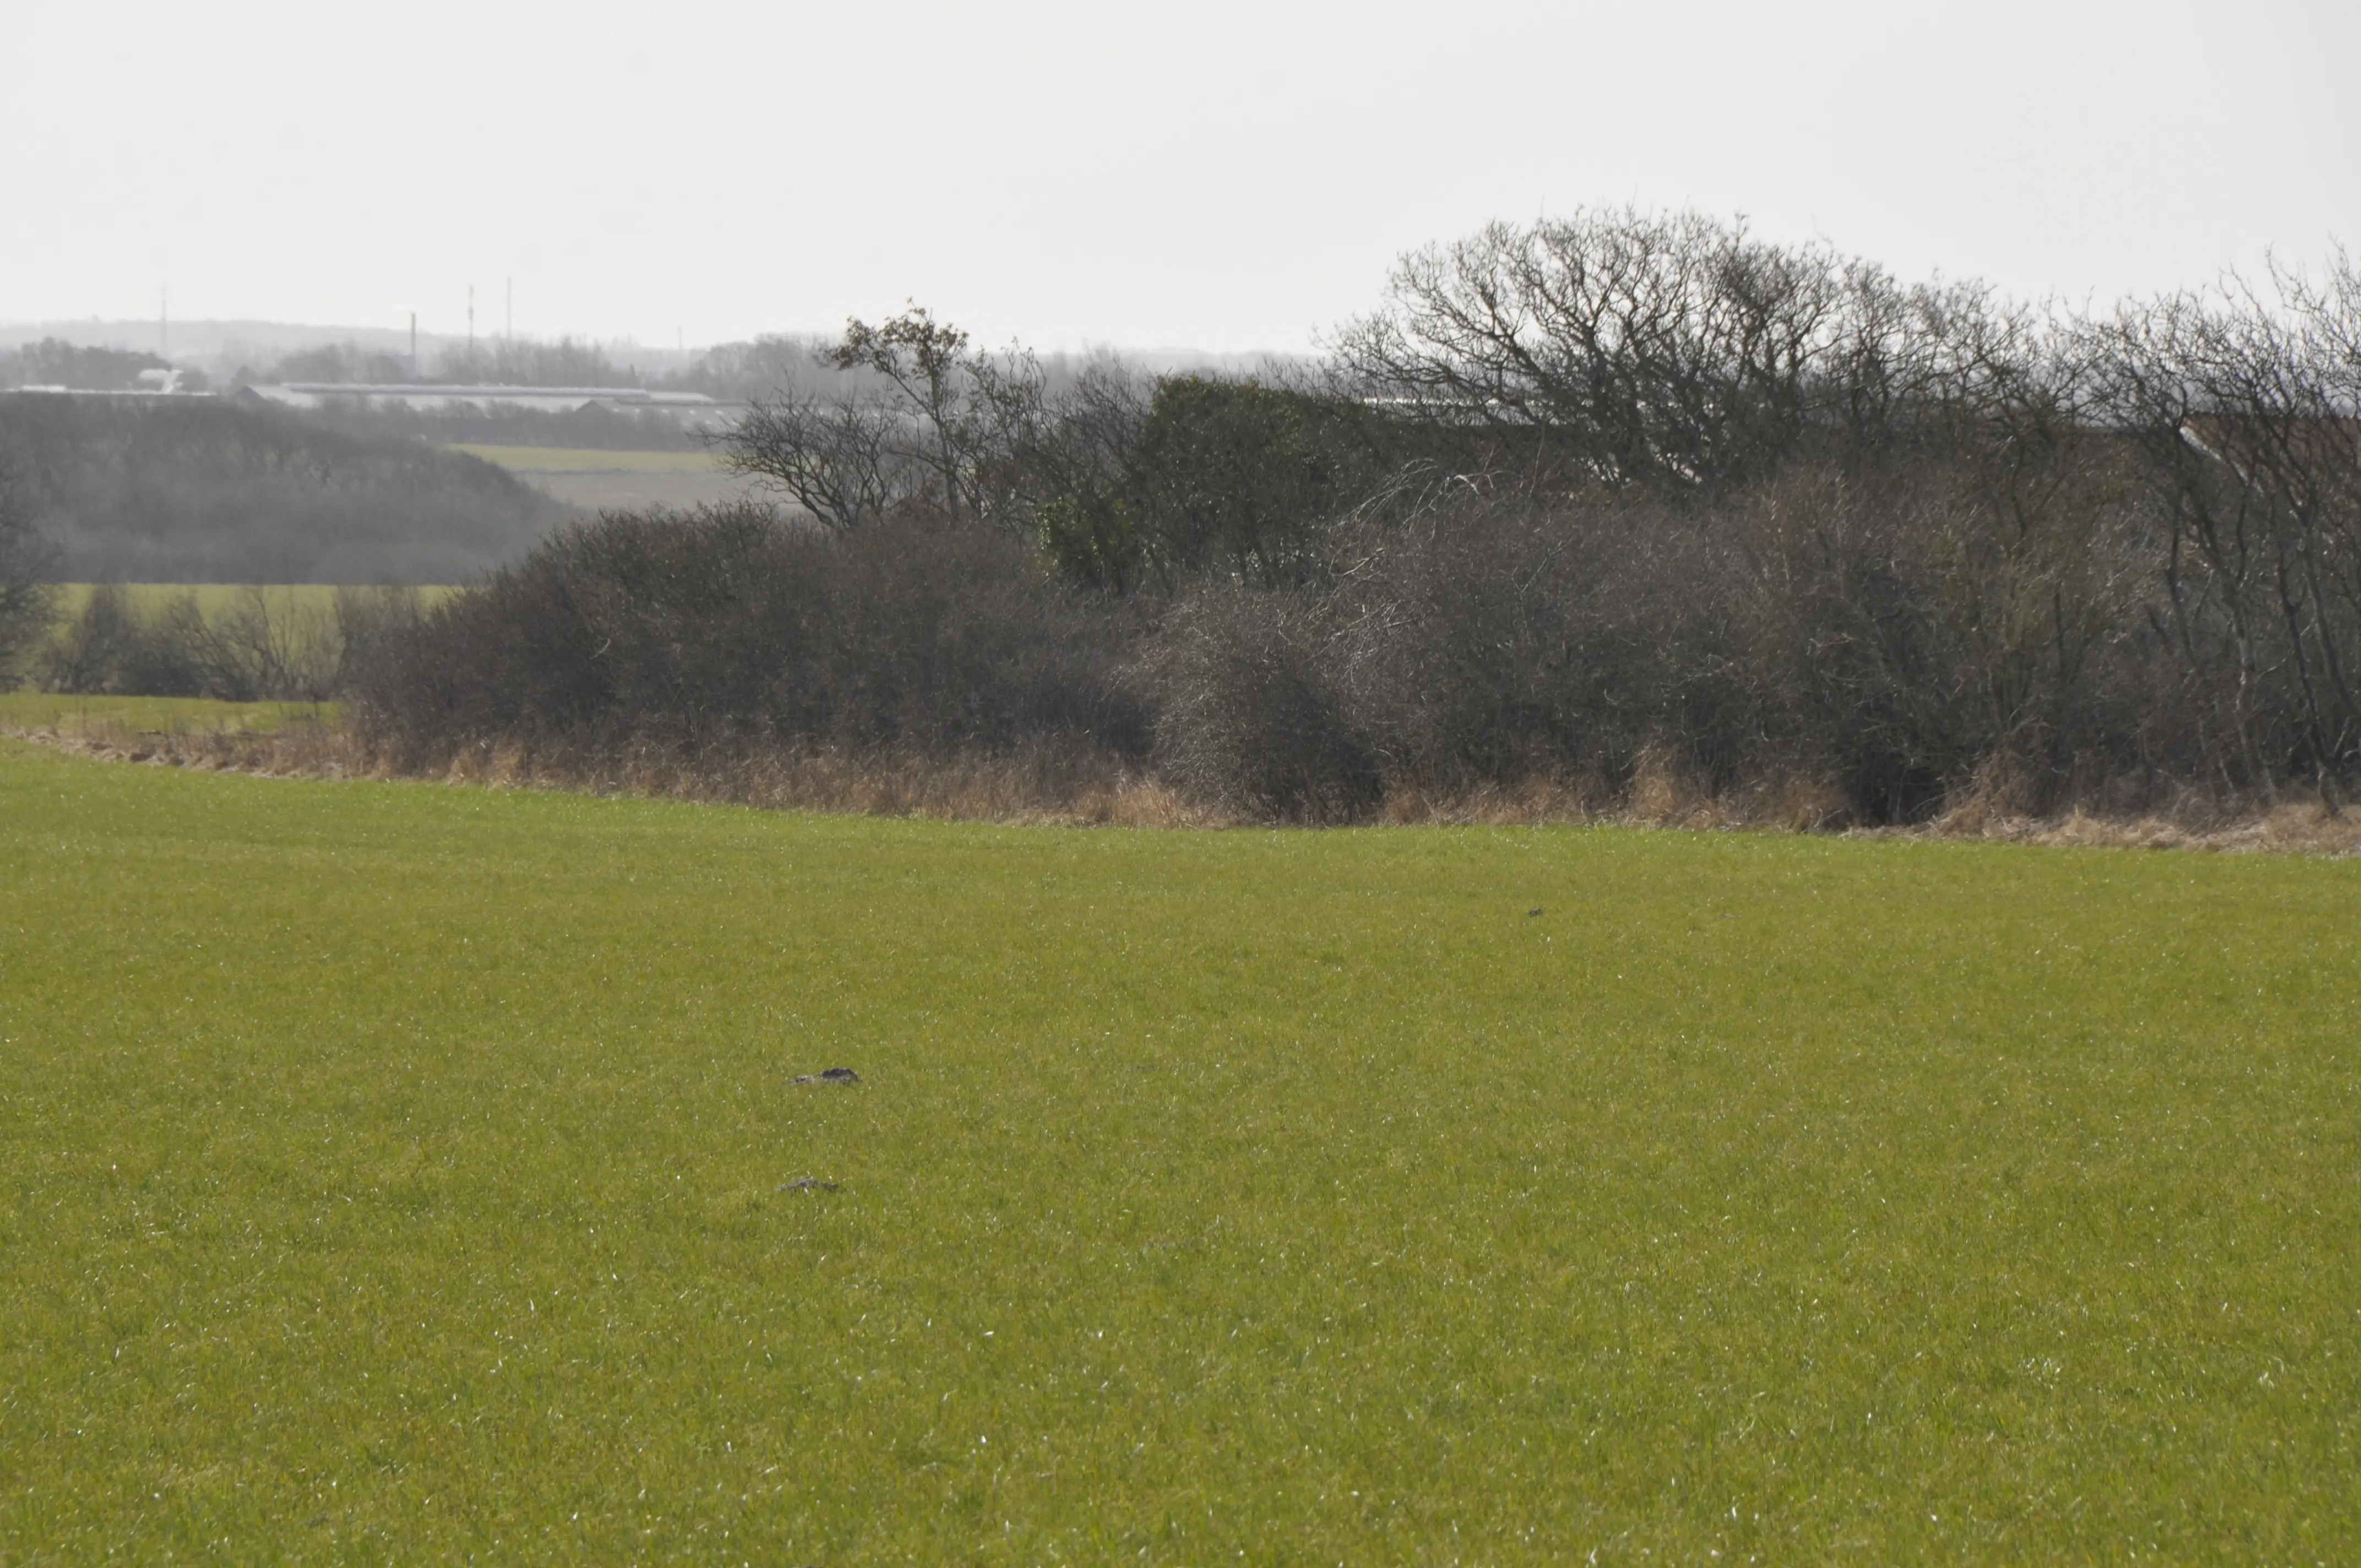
(926, 426)
(1237, 477)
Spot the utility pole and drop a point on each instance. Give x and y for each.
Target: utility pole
(413, 345)
(471, 330)
(163, 324)
(510, 333)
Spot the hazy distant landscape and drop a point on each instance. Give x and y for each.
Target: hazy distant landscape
(705, 857)
(1584, 511)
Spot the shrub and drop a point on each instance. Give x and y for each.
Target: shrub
(734, 629)
(1250, 718)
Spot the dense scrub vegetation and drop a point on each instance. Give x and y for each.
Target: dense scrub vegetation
(1582, 503)
(737, 629)
(195, 491)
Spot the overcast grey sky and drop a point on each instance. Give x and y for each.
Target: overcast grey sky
(1221, 175)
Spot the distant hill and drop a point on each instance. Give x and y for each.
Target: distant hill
(198, 490)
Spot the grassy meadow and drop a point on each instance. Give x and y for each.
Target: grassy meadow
(595, 479)
(216, 599)
(576, 459)
(399, 1172)
(213, 598)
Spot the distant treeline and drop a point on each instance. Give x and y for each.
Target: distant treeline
(763, 367)
(767, 367)
(1584, 500)
(498, 361)
(733, 369)
(53, 362)
(195, 490)
(732, 372)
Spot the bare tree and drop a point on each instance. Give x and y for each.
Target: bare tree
(837, 457)
(921, 423)
(925, 364)
(1655, 350)
(1672, 353)
(2246, 410)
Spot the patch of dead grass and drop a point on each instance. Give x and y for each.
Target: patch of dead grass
(1067, 789)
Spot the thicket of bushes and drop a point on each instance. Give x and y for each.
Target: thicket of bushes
(1584, 503)
(733, 630)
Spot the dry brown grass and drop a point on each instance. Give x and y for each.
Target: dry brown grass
(1076, 789)
(1051, 787)
(1661, 796)
(297, 751)
(2295, 825)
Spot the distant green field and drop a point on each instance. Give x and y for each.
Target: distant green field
(214, 597)
(574, 460)
(597, 481)
(165, 715)
(395, 1171)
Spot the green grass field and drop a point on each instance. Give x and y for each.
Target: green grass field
(212, 598)
(574, 460)
(406, 1172)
